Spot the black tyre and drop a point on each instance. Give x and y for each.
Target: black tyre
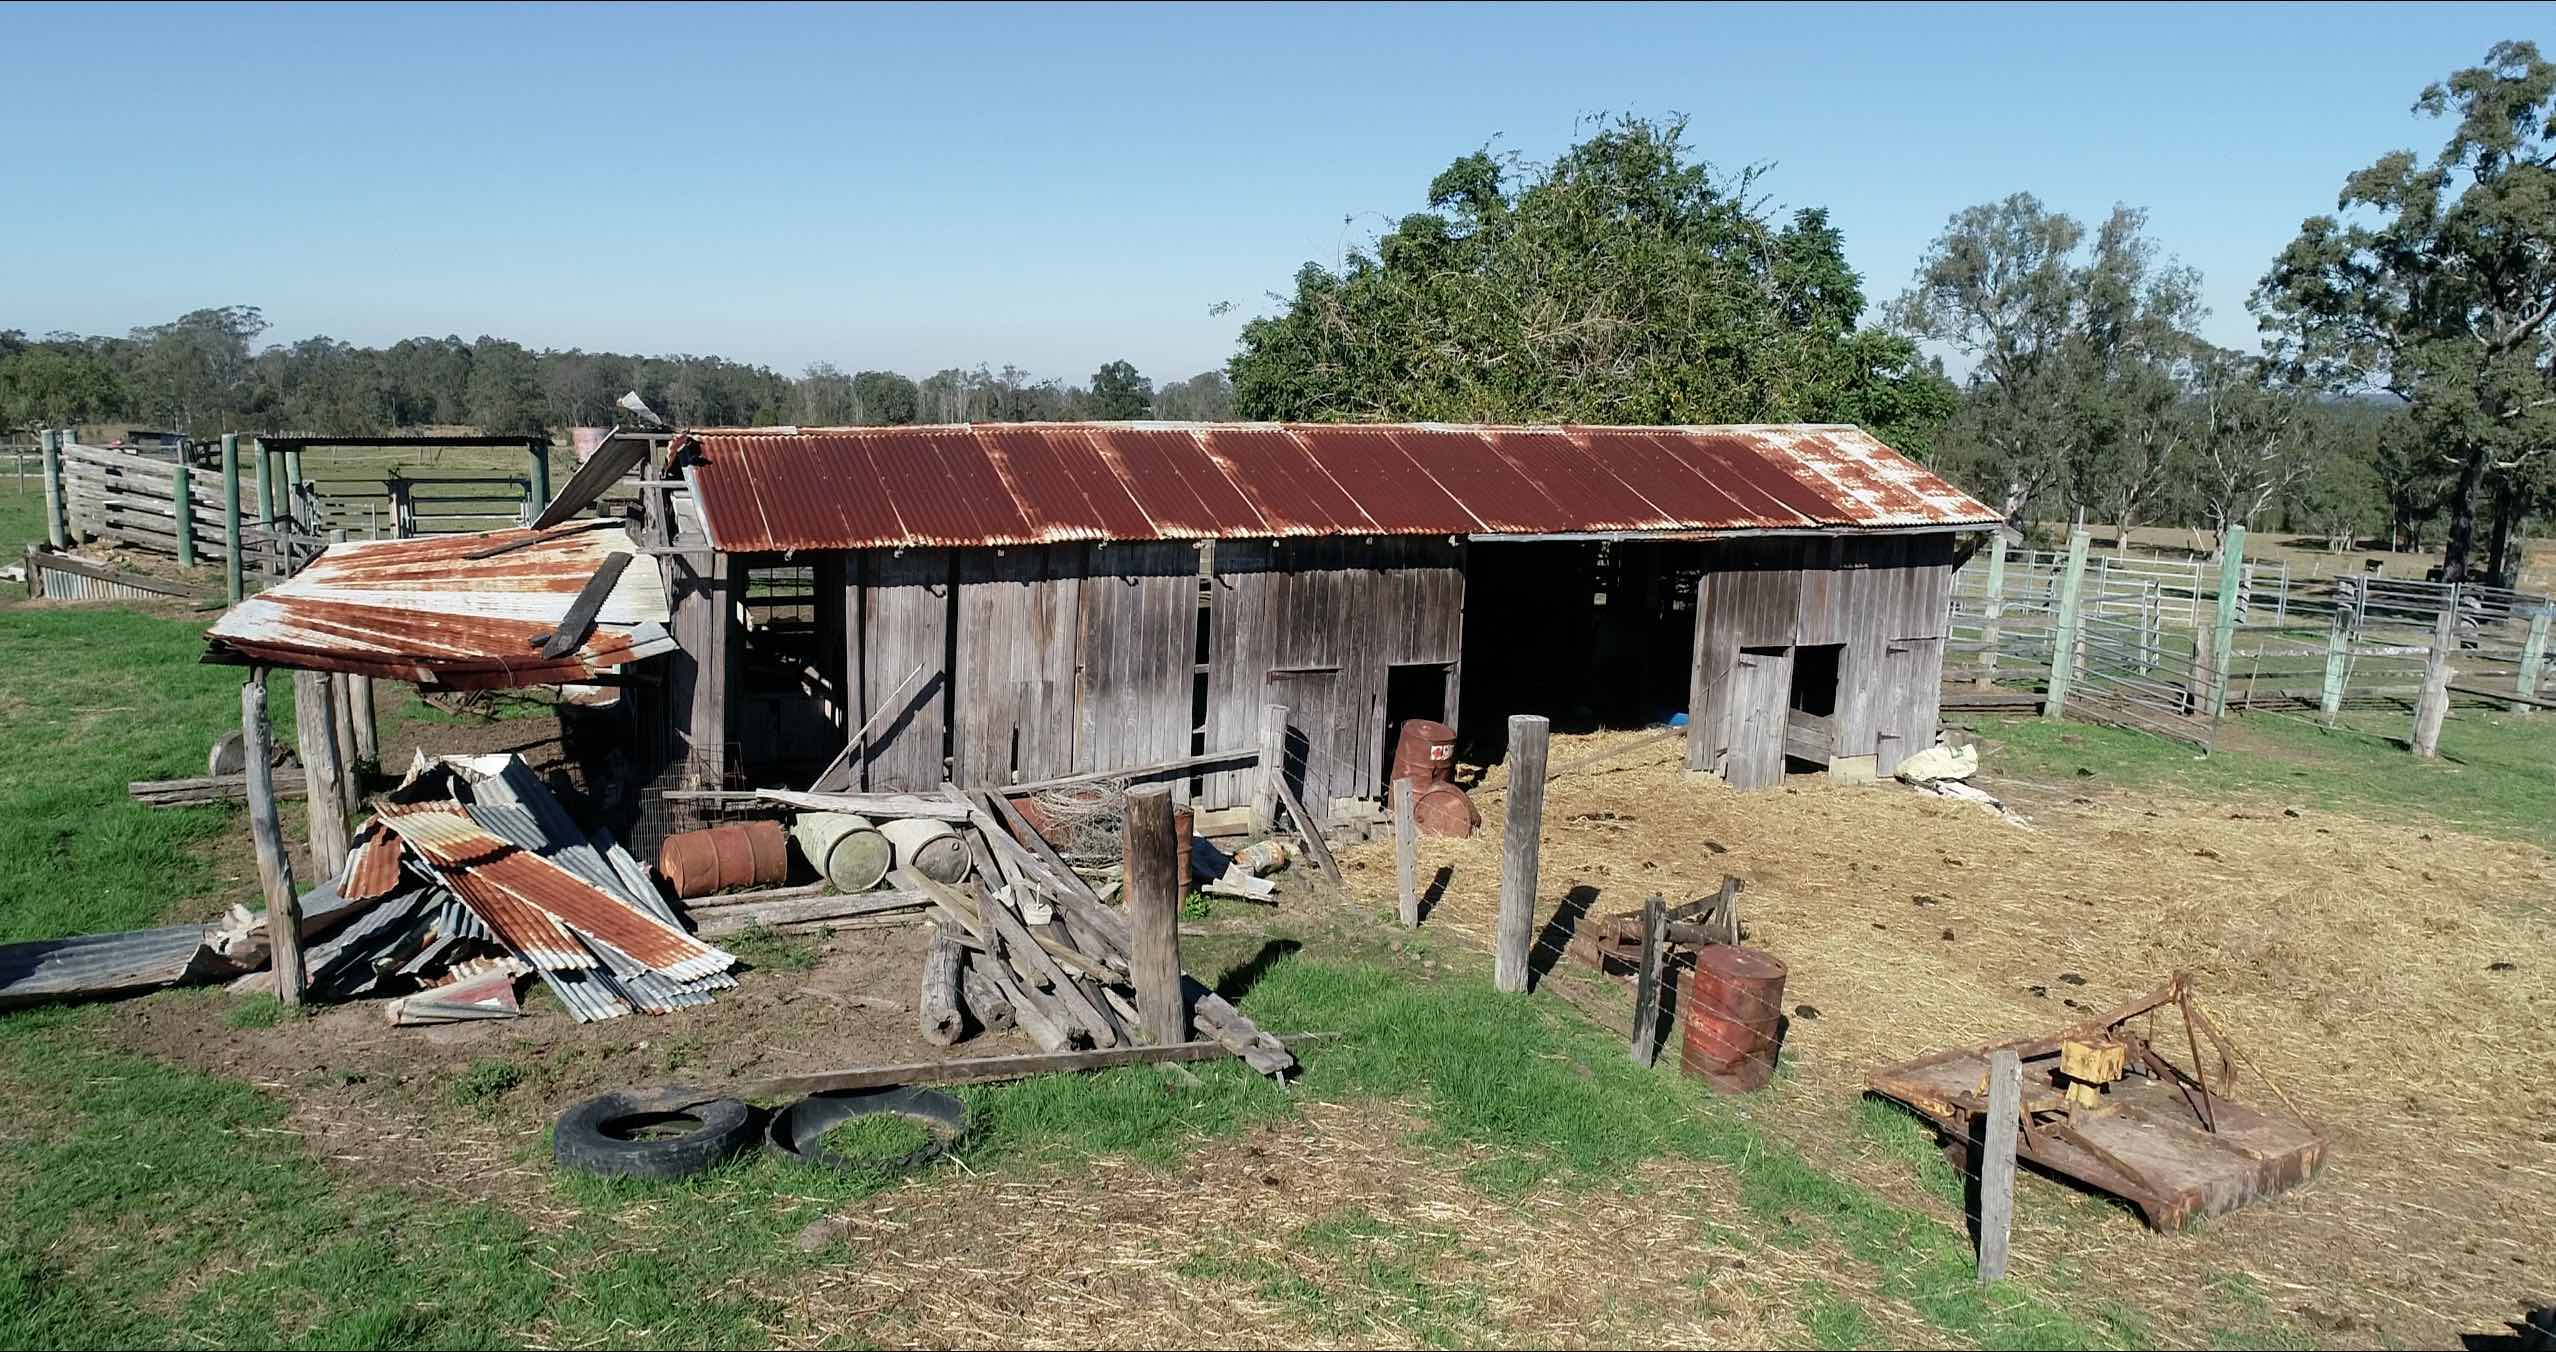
(798, 1132)
(651, 1133)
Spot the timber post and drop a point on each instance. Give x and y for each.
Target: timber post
(2223, 631)
(1519, 848)
(57, 522)
(2063, 638)
(2338, 665)
(1997, 1162)
(1406, 856)
(2432, 707)
(1993, 625)
(235, 582)
(2533, 657)
(183, 498)
(266, 499)
(1153, 915)
(266, 829)
(368, 734)
(1647, 983)
(323, 778)
(540, 495)
(1273, 768)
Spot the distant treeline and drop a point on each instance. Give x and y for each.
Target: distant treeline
(204, 373)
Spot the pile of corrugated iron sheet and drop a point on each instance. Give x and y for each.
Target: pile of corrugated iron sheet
(473, 859)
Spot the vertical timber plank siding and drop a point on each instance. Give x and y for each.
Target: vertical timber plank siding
(1139, 629)
(905, 623)
(701, 587)
(1018, 627)
(1241, 648)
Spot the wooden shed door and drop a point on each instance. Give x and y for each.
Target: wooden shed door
(1761, 695)
(1314, 769)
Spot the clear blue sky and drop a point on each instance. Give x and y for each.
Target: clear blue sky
(1056, 187)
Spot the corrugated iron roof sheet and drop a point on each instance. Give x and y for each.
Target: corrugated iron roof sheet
(422, 610)
(770, 489)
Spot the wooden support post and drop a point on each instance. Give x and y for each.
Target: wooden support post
(1646, 988)
(266, 830)
(540, 481)
(57, 521)
(1273, 769)
(1406, 855)
(291, 504)
(315, 727)
(2223, 631)
(1997, 1162)
(368, 733)
(1153, 915)
(1992, 626)
(1524, 840)
(2063, 644)
(183, 498)
(235, 580)
(341, 717)
(2338, 665)
(2533, 658)
(2433, 705)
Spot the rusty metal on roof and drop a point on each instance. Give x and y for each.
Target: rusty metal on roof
(537, 907)
(424, 610)
(778, 489)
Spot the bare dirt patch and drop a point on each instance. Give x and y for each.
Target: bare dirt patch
(2354, 959)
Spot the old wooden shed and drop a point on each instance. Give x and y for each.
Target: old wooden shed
(1006, 603)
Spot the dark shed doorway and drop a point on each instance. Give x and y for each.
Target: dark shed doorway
(1591, 634)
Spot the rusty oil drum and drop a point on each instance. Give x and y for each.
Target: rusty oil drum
(1734, 1014)
(745, 854)
(1424, 754)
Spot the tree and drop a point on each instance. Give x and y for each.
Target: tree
(193, 372)
(2250, 438)
(56, 385)
(826, 398)
(2076, 352)
(1625, 282)
(1205, 397)
(2439, 287)
(884, 398)
(1119, 394)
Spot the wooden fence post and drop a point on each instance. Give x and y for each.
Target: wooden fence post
(540, 497)
(2338, 664)
(57, 521)
(182, 497)
(266, 829)
(2433, 706)
(291, 503)
(1406, 855)
(2231, 591)
(1153, 915)
(368, 735)
(2533, 657)
(235, 581)
(1997, 1162)
(2063, 638)
(265, 488)
(323, 777)
(1528, 735)
(1273, 769)
(1647, 981)
(1992, 625)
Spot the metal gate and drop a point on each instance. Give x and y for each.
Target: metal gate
(2140, 675)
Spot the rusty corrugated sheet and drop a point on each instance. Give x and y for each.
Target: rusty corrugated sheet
(848, 488)
(372, 865)
(423, 611)
(534, 904)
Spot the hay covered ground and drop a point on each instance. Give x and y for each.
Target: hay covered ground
(2389, 971)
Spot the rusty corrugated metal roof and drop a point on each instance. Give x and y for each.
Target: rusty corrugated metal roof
(770, 489)
(372, 865)
(422, 610)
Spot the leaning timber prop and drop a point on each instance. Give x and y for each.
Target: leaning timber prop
(2105, 1106)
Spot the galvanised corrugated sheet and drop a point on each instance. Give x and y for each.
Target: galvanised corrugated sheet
(422, 610)
(771, 489)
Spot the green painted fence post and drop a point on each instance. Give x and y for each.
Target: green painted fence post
(2338, 658)
(183, 499)
(2533, 656)
(2231, 590)
(540, 482)
(1992, 627)
(2063, 644)
(232, 564)
(57, 525)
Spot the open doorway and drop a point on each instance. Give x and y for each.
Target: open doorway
(1590, 634)
(1810, 719)
(1412, 690)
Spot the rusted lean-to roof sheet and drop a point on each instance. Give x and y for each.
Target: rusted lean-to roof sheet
(372, 866)
(425, 611)
(779, 489)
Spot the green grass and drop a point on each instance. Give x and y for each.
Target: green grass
(486, 1081)
(878, 1139)
(260, 1010)
(2496, 775)
(771, 950)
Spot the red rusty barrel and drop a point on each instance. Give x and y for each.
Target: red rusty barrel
(746, 854)
(1443, 810)
(1734, 1011)
(1424, 753)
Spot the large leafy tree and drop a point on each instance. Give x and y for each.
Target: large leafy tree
(1626, 282)
(2435, 281)
(1118, 393)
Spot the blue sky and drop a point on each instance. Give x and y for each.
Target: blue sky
(1057, 187)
